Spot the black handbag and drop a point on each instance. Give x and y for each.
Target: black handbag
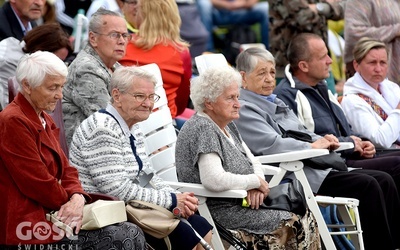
(288, 196)
(332, 160)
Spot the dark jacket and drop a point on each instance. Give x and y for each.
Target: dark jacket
(9, 24)
(316, 107)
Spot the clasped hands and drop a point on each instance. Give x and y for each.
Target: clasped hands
(187, 203)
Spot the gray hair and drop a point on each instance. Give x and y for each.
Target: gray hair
(248, 59)
(96, 21)
(36, 66)
(123, 78)
(211, 84)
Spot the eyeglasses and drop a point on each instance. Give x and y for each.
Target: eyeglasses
(141, 97)
(117, 36)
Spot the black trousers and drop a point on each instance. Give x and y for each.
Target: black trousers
(387, 162)
(379, 204)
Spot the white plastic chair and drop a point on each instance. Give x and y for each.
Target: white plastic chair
(292, 162)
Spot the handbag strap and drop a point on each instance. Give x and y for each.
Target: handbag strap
(131, 138)
(153, 206)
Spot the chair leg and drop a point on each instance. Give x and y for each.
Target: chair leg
(203, 210)
(313, 206)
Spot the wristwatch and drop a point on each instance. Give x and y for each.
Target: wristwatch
(177, 212)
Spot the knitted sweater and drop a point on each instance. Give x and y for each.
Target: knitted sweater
(102, 153)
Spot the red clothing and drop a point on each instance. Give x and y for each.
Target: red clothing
(176, 70)
(35, 175)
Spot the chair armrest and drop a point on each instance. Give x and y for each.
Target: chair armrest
(292, 156)
(200, 190)
(344, 146)
(270, 170)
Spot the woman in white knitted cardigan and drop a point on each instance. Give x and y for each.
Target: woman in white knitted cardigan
(111, 160)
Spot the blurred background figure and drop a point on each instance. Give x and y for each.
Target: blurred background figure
(113, 5)
(233, 12)
(47, 37)
(49, 13)
(289, 18)
(378, 19)
(17, 17)
(66, 10)
(158, 41)
(192, 28)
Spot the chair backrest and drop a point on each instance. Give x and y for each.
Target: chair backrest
(12, 88)
(159, 131)
(57, 114)
(206, 61)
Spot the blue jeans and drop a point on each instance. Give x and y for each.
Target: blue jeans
(211, 17)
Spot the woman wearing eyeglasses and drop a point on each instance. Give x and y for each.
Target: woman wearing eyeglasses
(88, 81)
(111, 160)
(158, 41)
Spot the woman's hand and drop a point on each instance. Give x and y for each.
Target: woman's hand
(328, 142)
(187, 203)
(71, 213)
(255, 198)
(264, 186)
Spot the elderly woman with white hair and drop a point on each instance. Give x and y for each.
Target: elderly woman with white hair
(35, 174)
(211, 151)
(112, 160)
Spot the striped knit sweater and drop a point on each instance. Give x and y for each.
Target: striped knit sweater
(101, 152)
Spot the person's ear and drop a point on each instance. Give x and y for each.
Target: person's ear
(303, 66)
(355, 65)
(92, 39)
(116, 95)
(208, 105)
(26, 87)
(244, 79)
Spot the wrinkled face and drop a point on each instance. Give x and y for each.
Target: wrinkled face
(373, 68)
(110, 49)
(129, 8)
(45, 96)
(318, 65)
(28, 10)
(261, 80)
(226, 107)
(129, 107)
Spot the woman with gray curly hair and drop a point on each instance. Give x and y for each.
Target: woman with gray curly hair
(210, 151)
